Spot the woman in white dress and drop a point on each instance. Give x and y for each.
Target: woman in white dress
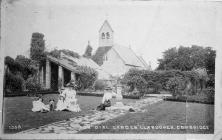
(61, 104)
(38, 105)
(70, 101)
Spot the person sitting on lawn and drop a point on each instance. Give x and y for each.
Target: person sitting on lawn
(61, 104)
(119, 104)
(70, 101)
(38, 105)
(51, 104)
(106, 100)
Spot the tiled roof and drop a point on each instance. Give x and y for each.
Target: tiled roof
(66, 63)
(128, 56)
(83, 61)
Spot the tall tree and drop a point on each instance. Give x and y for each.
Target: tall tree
(28, 66)
(88, 51)
(37, 47)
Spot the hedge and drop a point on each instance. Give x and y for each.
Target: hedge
(206, 97)
(80, 93)
(143, 80)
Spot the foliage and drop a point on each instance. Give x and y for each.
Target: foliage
(174, 80)
(175, 84)
(205, 96)
(56, 53)
(87, 77)
(21, 65)
(12, 65)
(13, 82)
(32, 84)
(188, 58)
(88, 51)
(211, 81)
(37, 47)
(28, 66)
(100, 85)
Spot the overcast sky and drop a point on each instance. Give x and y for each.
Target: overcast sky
(148, 27)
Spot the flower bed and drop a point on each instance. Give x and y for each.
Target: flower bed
(28, 93)
(201, 98)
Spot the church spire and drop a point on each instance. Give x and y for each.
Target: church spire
(105, 35)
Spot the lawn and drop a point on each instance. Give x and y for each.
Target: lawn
(164, 113)
(17, 112)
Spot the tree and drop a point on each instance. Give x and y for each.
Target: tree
(37, 47)
(188, 58)
(88, 51)
(27, 65)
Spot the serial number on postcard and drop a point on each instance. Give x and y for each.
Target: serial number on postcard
(15, 127)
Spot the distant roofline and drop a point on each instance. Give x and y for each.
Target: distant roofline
(133, 53)
(107, 24)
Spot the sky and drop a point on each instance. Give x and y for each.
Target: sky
(148, 27)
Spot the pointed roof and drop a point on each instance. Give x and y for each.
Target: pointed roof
(147, 66)
(128, 56)
(106, 23)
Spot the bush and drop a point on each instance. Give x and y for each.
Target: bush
(175, 85)
(211, 81)
(32, 84)
(13, 82)
(100, 85)
(87, 77)
(144, 80)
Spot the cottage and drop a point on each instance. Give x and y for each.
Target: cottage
(58, 72)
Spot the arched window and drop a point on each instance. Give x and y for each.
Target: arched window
(103, 35)
(107, 35)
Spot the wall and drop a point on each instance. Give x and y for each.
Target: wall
(114, 64)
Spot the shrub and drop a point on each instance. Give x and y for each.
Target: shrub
(87, 77)
(175, 84)
(211, 81)
(32, 84)
(100, 85)
(13, 82)
(145, 80)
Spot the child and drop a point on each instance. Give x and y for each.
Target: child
(38, 105)
(61, 104)
(51, 104)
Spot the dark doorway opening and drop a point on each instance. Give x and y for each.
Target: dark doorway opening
(67, 76)
(54, 76)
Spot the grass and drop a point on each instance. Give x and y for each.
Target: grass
(164, 113)
(17, 111)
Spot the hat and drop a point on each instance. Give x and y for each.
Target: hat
(70, 84)
(108, 88)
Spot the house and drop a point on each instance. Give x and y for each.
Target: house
(64, 68)
(113, 58)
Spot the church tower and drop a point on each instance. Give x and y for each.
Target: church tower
(105, 35)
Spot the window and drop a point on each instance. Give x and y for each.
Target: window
(107, 35)
(103, 35)
(105, 58)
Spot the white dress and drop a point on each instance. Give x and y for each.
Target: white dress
(61, 105)
(70, 102)
(118, 105)
(39, 106)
